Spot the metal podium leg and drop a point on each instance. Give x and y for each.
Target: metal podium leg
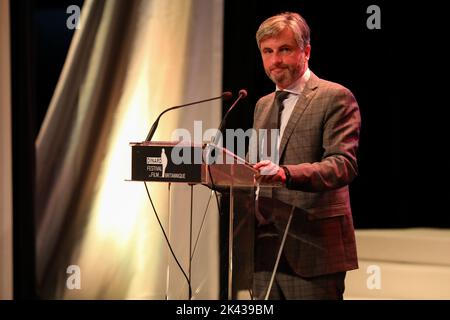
(230, 245)
(272, 278)
(168, 232)
(190, 240)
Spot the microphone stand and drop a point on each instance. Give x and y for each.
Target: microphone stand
(242, 94)
(211, 147)
(225, 95)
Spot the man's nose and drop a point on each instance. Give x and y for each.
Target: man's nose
(277, 59)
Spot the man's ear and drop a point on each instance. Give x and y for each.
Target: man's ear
(307, 51)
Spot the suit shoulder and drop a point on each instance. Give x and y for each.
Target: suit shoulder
(265, 99)
(333, 88)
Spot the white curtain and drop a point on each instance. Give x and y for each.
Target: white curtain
(127, 62)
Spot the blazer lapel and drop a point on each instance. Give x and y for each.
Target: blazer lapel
(265, 112)
(302, 103)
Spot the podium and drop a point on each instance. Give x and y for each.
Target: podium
(218, 169)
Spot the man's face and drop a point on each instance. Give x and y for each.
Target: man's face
(284, 62)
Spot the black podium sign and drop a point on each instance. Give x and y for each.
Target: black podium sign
(166, 163)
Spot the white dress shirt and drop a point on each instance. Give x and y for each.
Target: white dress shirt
(289, 103)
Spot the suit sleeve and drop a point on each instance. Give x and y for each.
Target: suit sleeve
(340, 138)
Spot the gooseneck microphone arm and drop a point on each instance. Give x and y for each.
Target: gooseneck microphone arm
(226, 95)
(242, 94)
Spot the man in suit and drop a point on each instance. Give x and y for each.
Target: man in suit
(319, 124)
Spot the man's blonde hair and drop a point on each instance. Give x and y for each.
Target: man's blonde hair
(272, 26)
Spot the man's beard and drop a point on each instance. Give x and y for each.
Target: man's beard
(289, 75)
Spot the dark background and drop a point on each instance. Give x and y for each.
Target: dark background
(403, 169)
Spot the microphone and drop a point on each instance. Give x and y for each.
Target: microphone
(242, 94)
(226, 95)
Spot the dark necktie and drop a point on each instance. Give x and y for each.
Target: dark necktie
(274, 119)
(280, 96)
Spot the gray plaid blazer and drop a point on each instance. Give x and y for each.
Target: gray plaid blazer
(318, 147)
